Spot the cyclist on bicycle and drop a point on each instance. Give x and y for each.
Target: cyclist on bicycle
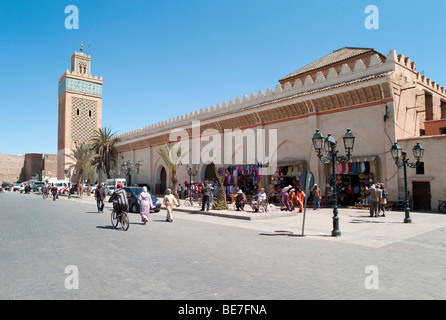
(119, 199)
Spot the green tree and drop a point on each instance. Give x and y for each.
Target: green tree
(83, 161)
(171, 157)
(103, 144)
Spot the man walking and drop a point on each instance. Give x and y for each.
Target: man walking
(54, 191)
(375, 197)
(99, 195)
(44, 191)
(169, 202)
(317, 196)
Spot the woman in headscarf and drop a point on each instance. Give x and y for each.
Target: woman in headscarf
(285, 205)
(145, 204)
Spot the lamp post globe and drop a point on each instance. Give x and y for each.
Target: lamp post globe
(318, 141)
(349, 141)
(396, 152)
(418, 152)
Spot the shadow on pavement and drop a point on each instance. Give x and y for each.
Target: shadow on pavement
(291, 234)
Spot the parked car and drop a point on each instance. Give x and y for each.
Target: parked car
(142, 185)
(37, 186)
(133, 194)
(61, 186)
(18, 187)
(93, 188)
(109, 190)
(6, 186)
(63, 190)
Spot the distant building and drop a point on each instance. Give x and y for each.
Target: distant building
(15, 169)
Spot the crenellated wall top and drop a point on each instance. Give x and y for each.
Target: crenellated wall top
(330, 76)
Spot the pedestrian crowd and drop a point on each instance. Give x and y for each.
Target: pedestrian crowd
(291, 198)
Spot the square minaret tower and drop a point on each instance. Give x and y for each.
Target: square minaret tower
(80, 108)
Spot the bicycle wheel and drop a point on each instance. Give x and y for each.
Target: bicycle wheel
(187, 203)
(125, 223)
(114, 219)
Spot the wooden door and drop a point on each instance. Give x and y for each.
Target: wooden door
(421, 195)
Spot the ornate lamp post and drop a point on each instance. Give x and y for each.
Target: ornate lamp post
(128, 169)
(113, 173)
(328, 145)
(192, 170)
(401, 160)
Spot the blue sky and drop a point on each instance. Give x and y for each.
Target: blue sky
(161, 59)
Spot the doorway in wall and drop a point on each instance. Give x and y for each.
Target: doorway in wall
(421, 195)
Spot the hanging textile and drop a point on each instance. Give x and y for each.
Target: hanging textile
(338, 167)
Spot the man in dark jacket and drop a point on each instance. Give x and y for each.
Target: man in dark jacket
(206, 196)
(99, 196)
(54, 192)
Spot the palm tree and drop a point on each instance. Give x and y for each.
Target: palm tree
(171, 157)
(103, 144)
(82, 157)
(221, 198)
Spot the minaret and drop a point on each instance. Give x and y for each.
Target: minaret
(80, 108)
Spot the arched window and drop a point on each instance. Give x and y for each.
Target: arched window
(77, 112)
(82, 67)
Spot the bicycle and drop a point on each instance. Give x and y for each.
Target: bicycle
(189, 202)
(212, 201)
(259, 206)
(122, 218)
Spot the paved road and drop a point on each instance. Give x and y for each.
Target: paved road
(206, 257)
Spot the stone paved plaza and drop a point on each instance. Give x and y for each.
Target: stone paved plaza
(205, 257)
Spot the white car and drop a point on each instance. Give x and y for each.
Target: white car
(109, 190)
(18, 187)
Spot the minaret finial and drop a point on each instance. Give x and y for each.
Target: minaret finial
(82, 46)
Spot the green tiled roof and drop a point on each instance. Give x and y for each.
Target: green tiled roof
(334, 57)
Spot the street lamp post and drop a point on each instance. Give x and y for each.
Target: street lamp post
(68, 174)
(192, 170)
(114, 174)
(128, 169)
(328, 145)
(401, 160)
